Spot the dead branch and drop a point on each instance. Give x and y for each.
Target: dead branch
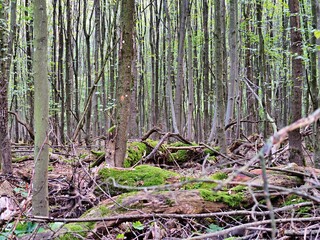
(26, 125)
(165, 215)
(252, 224)
(165, 136)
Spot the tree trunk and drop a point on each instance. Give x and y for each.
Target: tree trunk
(180, 71)
(126, 78)
(30, 81)
(314, 84)
(234, 61)
(220, 104)
(205, 77)
(55, 96)
(295, 142)
(262, 67)
(5, 60)
(190, 119)
(68, 69)
(97, 45)
(87, 34)
(60, 87)
(169, 70)
(40, 204)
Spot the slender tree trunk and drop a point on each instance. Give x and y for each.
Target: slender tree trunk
(76, 64)
(251, 101)
(284, 114)
(5, 60)
(205, 62)
(87, 34)
(40, 203)
(314, 83)
(295, 141)
(262, 66)
(97, 45)
(220, 104)
(190, 119)
(60, 87)
(55, 94)
(169, 70)
(68, 69)
(153, 116)
(234, 62)
(126, 78)
(180, 72)
(30, 81)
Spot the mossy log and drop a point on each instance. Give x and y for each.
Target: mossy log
(160, 152)
(190, 198)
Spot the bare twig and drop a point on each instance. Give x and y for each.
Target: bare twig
(252, 224)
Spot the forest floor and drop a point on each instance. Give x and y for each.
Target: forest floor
(180, 191)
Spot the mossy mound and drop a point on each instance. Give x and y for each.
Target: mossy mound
(143, 176)
(75, 231)
(233, 199)
(135, 152)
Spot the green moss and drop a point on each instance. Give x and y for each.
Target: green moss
(239, 188)
(98, 154)
(20, 159)
(294, 199)
(210, 152)
(152, 143)
(232, 199)
(50, 168)
(142, 175)
(135, 152)
(76, 231)
(219, 176)
(179, 156)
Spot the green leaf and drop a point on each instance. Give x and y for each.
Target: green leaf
(214, 228)
(23, 192)
(317, 34)
(110, 130)
(120, 236)
(138, 225)
(55, 226)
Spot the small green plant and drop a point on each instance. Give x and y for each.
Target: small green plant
(213, 228)
(120, 236)
(138, 225)
(22, 191)
(21, 229)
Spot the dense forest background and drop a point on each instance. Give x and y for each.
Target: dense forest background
(224, 94)
(176, 67)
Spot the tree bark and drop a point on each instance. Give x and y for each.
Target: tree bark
(190, 118)
(5, 60)
(29, 53)
(40, 204)
(234, 62)
(295, 141)
(178, 101)
(205, 71)
(169, 95)
(220, 103)
(314, 83)
(68, 69)
(126, 78)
